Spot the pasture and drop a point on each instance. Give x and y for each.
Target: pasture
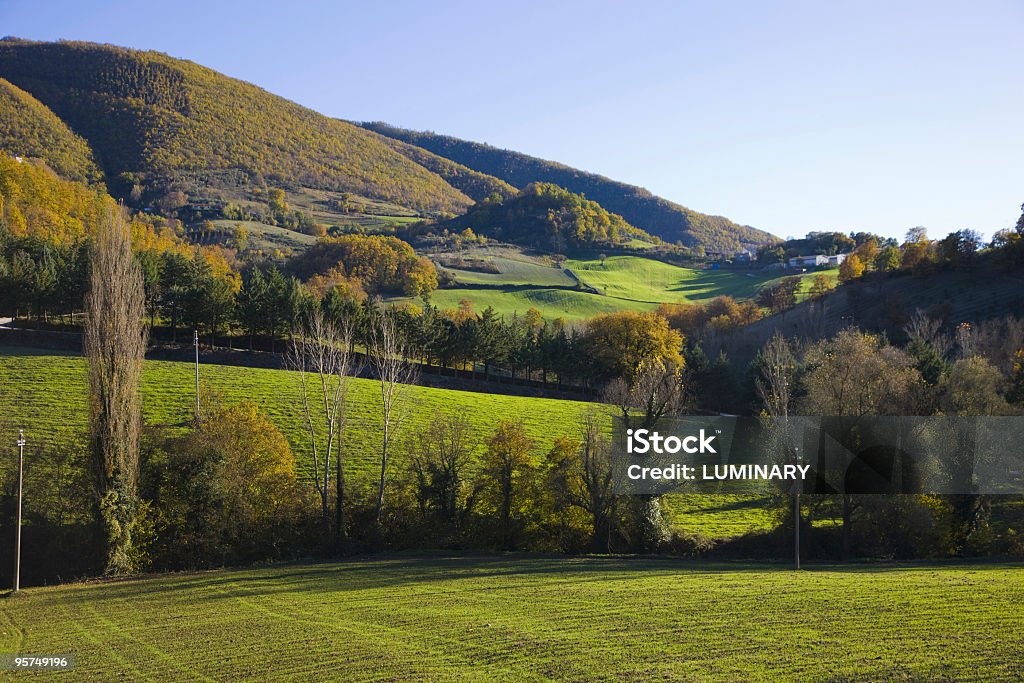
(45, 393)
(533, 618)
(622, 283)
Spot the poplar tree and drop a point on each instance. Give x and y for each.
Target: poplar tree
(115, 344)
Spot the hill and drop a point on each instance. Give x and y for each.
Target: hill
(547, 216)
(155, 121)
(638, 206)
(29, 129)
(531, 618)
(35, 203)
(475, 185)
(884, 303)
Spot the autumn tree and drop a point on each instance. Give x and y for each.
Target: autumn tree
(653, 392)
(115, 346)
(507, 466)
(225, 492)
(851, 268)
(579, 476)
(855, 375)
(622, 342)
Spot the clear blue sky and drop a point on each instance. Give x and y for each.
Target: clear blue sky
(789, 116)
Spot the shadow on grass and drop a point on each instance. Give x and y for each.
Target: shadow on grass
(497, 572)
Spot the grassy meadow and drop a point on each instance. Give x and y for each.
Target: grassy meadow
(44, 393)
(533, 618)
(625, 283)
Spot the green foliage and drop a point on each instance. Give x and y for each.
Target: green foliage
(224, 492)
(380, 264)
(658, 216)
(29, 129)
(477, 186)
(547, 216)
(156, 119)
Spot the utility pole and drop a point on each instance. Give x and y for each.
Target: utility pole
(796, 520)
(195, 341)
(796, 514)
(17, 531)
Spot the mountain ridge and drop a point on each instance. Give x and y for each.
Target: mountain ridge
(668, 220)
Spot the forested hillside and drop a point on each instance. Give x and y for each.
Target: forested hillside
(657, 216)
(29, 129)
(43, 209)
(152, 120)
(477, 186)
(548, 217)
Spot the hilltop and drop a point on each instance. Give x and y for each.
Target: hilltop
(181, 139)
(638, 206)
(155, 122)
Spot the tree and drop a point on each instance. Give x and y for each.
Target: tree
(851, 268)
(888, 260)
(775, 387)
(972, 387)
(580, 476)
(321, 359)
(440, 455)
(225, 492)
(388, 357)
(917, 235)
(781, 296)
(653, 393)
(820, 286)
(622, 342)
(867, 252)
(115, 346)
(855, 375)
(506, 463)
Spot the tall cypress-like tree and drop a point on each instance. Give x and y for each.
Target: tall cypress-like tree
(115, 344)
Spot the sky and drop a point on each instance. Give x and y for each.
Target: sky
(788, 116)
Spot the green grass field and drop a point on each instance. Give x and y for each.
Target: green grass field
(625, 283)
(45, 394)
(533, 618)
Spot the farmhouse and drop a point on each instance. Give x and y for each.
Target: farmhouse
(817, 260)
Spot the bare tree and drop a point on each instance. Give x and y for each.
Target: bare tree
(320, 356)
(775, 389)
(388, 356)
(929, 330)
(655, 392)
(115, 345)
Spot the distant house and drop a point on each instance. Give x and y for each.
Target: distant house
(743, 256)
(816, 261)
(808, 261)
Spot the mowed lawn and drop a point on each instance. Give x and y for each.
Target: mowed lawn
(533, 618)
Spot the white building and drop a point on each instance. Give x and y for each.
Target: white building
(816, 261)
(808, 261)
